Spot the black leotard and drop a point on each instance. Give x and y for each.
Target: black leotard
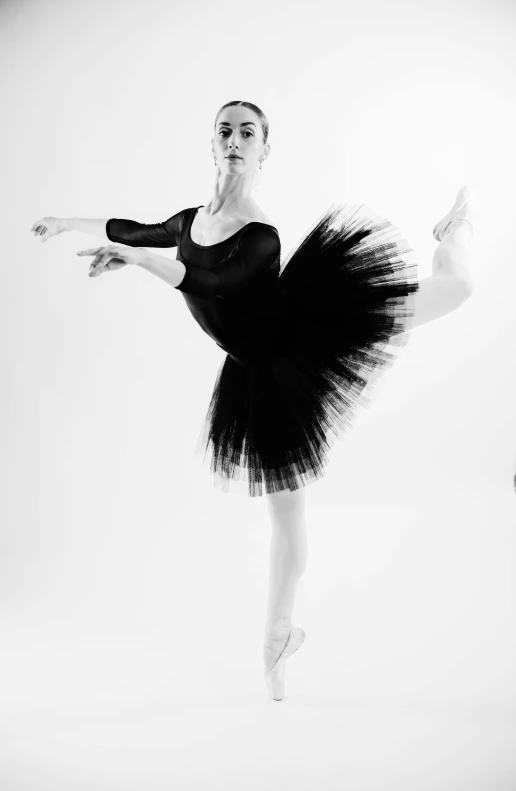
(228, 286)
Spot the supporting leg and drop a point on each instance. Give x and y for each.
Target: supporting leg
(288, 559)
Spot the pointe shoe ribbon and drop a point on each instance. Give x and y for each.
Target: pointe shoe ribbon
(460, 211)
(275, 677)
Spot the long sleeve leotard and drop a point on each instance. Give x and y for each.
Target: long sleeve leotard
(230, 287)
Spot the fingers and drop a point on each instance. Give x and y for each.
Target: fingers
(91, 251)
(40, 231)
(96, 264)
(105, 259)
(45, 227)
(99, 269)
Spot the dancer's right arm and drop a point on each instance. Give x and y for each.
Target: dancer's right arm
(47, 227)
(95, 227)
(129, 232)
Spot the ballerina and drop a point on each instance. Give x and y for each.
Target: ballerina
(303, 342)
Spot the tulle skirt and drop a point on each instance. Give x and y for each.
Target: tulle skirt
(339, 320)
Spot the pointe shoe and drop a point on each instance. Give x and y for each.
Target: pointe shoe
(461, 211)
(279, 650)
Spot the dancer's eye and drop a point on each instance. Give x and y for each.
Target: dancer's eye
(246, 132)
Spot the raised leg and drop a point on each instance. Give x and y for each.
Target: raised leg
(451, 283)
(451, 256)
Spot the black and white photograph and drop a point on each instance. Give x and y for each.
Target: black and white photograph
(258, 518)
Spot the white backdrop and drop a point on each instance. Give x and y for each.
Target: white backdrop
(129, 581)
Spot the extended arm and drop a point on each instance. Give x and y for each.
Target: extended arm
(129, 232)
(95, 227)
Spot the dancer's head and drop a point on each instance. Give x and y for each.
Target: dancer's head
(240, 128)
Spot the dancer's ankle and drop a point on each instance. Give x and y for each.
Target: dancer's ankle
(276, 623)
(459, 229)
(274, 620)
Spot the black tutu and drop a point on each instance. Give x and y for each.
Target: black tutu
(338, 320)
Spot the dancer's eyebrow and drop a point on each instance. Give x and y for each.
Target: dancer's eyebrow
(225, 123)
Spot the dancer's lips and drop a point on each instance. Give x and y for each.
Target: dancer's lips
(233, 156)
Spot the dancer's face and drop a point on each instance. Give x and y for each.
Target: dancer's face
(238, 131)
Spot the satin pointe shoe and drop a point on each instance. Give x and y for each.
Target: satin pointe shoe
(462, 210)
(276, 651)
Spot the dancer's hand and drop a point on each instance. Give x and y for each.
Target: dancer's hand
(47, 227)
(114, 256)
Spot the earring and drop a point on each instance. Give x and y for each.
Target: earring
(261, 163)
